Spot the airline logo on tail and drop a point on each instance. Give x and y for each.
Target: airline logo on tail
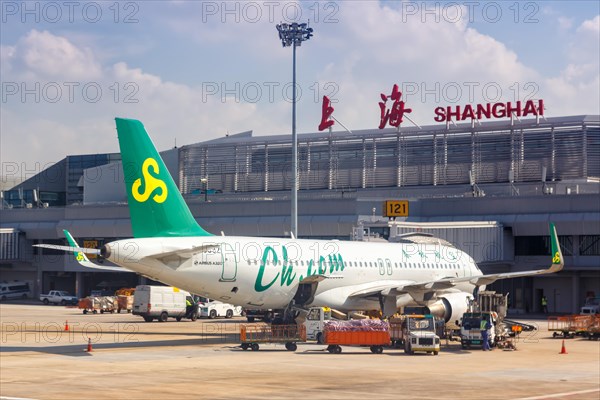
(556, 258)
(151, 184)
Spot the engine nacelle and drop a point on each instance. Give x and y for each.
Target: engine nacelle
(451, 306)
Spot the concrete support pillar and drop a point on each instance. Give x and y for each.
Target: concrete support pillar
(575, 287)
(79, 284)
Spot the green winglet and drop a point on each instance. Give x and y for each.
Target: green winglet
(156, 206)
(557, 257)
(79, 255)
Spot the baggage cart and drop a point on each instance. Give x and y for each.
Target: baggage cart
(95, 304)
(569, 325)
(372, 333)
(124, 302)
(252, 336)
(593, 331)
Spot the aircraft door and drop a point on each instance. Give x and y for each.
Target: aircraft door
(229, 263)
(381, 266)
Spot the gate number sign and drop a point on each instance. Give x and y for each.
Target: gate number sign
(395, 208)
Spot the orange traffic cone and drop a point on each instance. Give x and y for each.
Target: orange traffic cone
(66, 325)
(89, 346)
(563, 350)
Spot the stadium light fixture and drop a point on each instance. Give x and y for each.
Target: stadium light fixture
(292, 35)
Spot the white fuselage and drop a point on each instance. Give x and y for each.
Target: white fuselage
(266, 272)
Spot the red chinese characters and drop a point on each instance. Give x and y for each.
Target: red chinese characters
(327, 110)
(394, 116)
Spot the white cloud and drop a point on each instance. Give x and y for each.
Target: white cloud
(363, 55)
(46, 55)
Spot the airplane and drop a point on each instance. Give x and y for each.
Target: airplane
(291, 274)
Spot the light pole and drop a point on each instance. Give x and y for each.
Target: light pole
(293, 35)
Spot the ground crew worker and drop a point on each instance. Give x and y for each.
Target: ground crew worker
(483, 327)
(188, 306)
(544, 305)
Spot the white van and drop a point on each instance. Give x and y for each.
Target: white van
(14, 290)
(160, 302)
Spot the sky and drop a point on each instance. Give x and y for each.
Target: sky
(194, 71)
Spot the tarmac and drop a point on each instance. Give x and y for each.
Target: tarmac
(133, 359)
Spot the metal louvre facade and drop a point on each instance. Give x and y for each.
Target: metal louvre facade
(568, 147)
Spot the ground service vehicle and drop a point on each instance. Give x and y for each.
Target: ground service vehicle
(214, 309)
(363, 332)
(592, 306)
(470, 329)
(160, 303)
(415, 333)
(315, 323)
(58, 297)
(14, 290)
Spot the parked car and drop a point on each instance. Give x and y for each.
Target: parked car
(58, 297)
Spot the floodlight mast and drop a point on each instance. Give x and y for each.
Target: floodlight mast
(293, 35)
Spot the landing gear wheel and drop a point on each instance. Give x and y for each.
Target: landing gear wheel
(290, 346)
(245, 346)
(229, 314)
(254, 346)
(163, 317)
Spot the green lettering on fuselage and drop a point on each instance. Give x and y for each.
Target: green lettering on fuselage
(287, 276)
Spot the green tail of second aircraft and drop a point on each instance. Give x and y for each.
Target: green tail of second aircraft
(156, 206)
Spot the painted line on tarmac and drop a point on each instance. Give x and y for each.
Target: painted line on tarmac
(14, 398)
(551, 396)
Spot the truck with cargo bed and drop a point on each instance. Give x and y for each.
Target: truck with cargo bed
(58, 297)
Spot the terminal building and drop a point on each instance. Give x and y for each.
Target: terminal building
(490, 189)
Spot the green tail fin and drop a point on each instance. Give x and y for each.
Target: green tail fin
(156, 206)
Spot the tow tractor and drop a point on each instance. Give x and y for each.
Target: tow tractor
(415, 333)
(315, 323)
(491, 307)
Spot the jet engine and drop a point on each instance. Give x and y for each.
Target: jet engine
(450, 306)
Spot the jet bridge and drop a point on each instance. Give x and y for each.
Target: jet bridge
(482, 240)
